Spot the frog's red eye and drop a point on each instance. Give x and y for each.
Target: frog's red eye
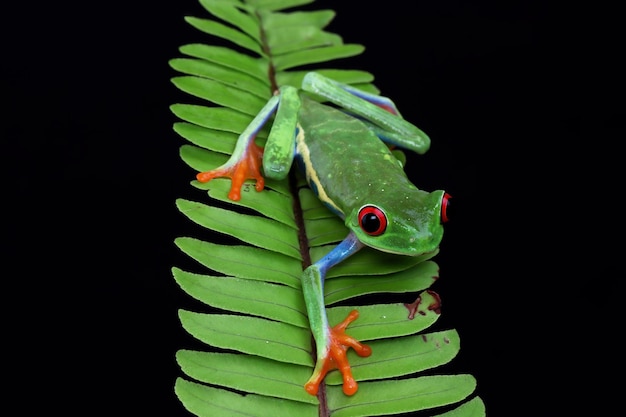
(372, 220)
(445, 204)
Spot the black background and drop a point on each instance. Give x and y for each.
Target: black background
(519, 100)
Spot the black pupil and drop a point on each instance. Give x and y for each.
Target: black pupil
(370, 223)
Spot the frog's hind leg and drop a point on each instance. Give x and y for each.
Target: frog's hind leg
(247, 159)
(377, 112)
(331, 342)
(383, 102)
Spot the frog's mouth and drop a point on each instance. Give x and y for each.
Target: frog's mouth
(411, 253)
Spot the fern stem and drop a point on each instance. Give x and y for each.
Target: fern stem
(298, 215)
(271, 70)
(299, 219)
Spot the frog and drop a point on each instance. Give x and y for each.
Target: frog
(341, 139)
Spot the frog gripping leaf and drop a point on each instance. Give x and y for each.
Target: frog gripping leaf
(379, 205)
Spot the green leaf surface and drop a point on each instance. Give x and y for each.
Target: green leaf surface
(211, 139)
(262, 299)
(201, 160)
(311, 207)
(247, 373)
(401, 396)
(413, 279)
(256, 230)
(369, 261)
(316, 55)
(220, 30)
(234, 16)
(288, 40)
(401, 356)
(220, 94)
(272, 204)
(228, 58)
(273, 5)
(269, 339)
(218, 118)
(288, 32)
(296, 19)
(225, 75)
(206, 401)
(325, 231)
(472, 408)
(380, 321)
(243, 261)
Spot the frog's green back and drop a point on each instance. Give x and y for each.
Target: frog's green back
(348, 167)
(345, 159)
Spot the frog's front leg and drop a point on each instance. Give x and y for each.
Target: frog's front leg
(248, 157)
(331, 342)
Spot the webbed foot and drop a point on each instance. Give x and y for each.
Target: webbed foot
(335, 357)
(247, 167)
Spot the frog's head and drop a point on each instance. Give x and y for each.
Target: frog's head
(411, 223)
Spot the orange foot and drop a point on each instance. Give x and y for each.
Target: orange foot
(335, 357)
(246, 167)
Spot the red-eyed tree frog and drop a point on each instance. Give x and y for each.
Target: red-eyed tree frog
(342, 149)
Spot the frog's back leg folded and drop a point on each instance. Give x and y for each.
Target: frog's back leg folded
(378, 112)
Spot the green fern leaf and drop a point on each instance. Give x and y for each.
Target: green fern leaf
(410, 280)
(381, 321)
(225, 11)
(402, 396)
(272, 204)
(275, 302)
(220, 30)
(246, 373)
(207, 401)
(316, 55)
(218, 118)
(275, 5)
(214, 140)
(220, 94)
(259, 346)
(226, 76)
(259, 263)
(251, 335)
(255, 230)
(288, 32)
(293, 21)
(227, 58)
